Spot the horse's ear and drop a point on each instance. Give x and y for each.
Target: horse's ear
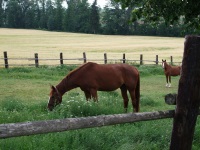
(162, 60)
(53, 88)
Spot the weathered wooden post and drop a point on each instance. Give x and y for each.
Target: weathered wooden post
(105, 58)
(84, 58)
(124, 58)
(171, 58)
(61, 58)
(141, 59)
(6, 59)
(36, 60)
(188, 98)
(156, 59)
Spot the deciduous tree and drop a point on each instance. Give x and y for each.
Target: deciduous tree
(170, 10)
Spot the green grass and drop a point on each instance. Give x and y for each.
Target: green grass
(24, 94)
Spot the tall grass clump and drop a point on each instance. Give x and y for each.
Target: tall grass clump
(148, 70)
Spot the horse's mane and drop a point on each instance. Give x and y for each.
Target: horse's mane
(77, 69)
(64, 82)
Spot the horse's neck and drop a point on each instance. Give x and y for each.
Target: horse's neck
(65, 85)
(167, 66)
(69, 82)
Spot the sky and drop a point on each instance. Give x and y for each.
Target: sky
(100, 3)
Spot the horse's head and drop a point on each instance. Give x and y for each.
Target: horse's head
(163, 63)
(55, 98)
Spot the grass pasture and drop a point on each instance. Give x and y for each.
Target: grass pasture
(24, 90)
(24, 94)
(20, 43)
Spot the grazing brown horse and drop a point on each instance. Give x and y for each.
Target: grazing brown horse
(170, 71)
(92, 77)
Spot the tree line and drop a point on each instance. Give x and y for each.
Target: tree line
(82, 17)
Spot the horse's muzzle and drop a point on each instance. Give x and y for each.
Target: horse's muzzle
(50, 108)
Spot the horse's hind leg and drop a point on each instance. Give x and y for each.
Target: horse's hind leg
(125, 97)
(93, 92)
(87, 95)
(169, 85)
(133, 98)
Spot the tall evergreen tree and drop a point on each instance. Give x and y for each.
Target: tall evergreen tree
(59, 15)
(13, 14)
(50, 11)
(37, 14)
(115, 19)
(43, 18)
(1, 13)
(70, 20)
(24, 7)
(82, 19)
(95, 18)
(29, 18)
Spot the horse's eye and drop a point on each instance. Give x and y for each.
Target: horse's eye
(52, 96)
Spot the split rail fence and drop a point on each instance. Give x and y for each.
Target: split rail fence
(59, 125)
(84, 59)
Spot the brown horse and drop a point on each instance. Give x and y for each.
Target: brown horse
(92, 77)
(170, 71)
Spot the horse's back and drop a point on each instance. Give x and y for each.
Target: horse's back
(175, 71)
(117, 69)
(102, 68)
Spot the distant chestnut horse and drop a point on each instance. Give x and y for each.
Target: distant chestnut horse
(170, 71)
(92, 77)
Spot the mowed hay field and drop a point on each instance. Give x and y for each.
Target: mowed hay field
(20, 43)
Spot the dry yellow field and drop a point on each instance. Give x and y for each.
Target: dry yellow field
(20, 43)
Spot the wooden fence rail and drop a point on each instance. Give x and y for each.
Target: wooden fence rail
(83, 59)
(59, 125)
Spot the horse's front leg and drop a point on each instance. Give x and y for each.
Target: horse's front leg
(87, 95)
(93, 92)
(166, 80)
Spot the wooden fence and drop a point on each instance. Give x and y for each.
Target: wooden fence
(84, 59)
(59, 125)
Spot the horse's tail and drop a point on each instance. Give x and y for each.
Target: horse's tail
(137, 94)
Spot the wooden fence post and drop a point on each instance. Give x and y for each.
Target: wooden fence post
(36, 60)
(156, 59)
(84, 57)
(141, 59)
(61, 58)
(124, 58)
(188, 99)
(171, 58)
(105, 58)
(6, 59)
